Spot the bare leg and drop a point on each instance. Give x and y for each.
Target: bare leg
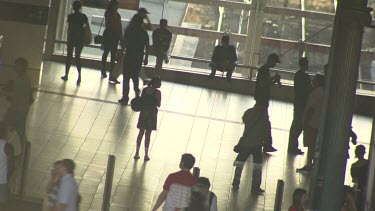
(147, 143)
(139, 141)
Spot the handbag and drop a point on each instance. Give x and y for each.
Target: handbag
(98, 39)
(237, 148)
(136, 104)
(87, 35)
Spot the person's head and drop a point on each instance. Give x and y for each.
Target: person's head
(163, 23)
(300, 198)
(303, 63)
(21, 65)
(56, 167)
(143, 12)
(3, 131)
(136, 21)
(67, 167)
(187, 161)
(77, 5)
(272, 60)
(204, 181)
(360, 151)
(155, 82)
(225, 40)
(318, 80)
(198, 199)
(112, 6)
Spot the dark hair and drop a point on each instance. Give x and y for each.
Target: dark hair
(163, 21)
(360, 151)
(69, 165)
(205, 181)
(225, 39)
(297, 196)
(77, 5)
(58, 162)
(153, 81)
(197, 201)
(111, 4)
(188, 160)
(21, 61)
(303, 61)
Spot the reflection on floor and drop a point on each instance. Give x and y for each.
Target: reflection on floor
(86, 124)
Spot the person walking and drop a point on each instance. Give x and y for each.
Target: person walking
(359, 172)
(177, 187)
(224, 58)
(148, 117)
(76, 23)
(135, 41)
(211, 198)
(256, 121)
(20, 95)
(111, 37)
(52, 187)
(311, 120)
(67, 195)
(262, 95)
(302, 88)
(161, 40)
(6, 166)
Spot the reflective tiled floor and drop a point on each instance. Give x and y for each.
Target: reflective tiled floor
(86, 124)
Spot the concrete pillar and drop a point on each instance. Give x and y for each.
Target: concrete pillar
(52, 28)
(254, 32)
(326, 188)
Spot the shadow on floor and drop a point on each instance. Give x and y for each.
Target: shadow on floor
(19, 205)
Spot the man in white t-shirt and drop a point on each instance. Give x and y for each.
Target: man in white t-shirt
(67, 195)
(6, 166)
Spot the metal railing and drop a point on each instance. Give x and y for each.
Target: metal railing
(108, 183)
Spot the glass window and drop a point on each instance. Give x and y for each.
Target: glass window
(319, 31)
(320, 5)
(282, 27)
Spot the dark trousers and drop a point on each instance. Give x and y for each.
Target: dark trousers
(241, 158)
(78, 50)
(132, 66)
(224, 68)
(268, 141)
(110, 43)
(113, 59)
(296, 127)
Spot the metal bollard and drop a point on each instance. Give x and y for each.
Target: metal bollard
(196, 172)
(279, 195)
(108, 183)
(25, 165)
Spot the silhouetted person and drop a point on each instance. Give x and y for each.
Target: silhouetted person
(311, 119)
(67, 195)
(135, 41)
(299, 200)
(224, 58)
(144, 14)
(302, 88)
(111, 37)
(359, 171)
(256, 121)
(76, 23)
(177, 187)
(161, 40)
(148, 117)
(6, 166)
(262, 94)
(19, 94)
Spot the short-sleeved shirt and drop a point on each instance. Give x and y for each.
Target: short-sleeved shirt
(161, 39)
(178, 186)
(136, 39)
(76, 22)
(302, 87)
(224, 54)
(315, 103)
(68, 193)
(262, 88)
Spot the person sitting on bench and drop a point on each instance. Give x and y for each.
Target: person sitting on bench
(224, 58)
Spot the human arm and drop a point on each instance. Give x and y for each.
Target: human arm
(64, 195)
(8, 150)
(214, 56)
(162, 197)
(147, 25)
(353, 137)
(213, 206)
(147, 46)
(158, 98)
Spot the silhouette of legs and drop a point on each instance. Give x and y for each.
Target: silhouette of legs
(68, 61)
(78, 51)
(295, 131)
(147, 134)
